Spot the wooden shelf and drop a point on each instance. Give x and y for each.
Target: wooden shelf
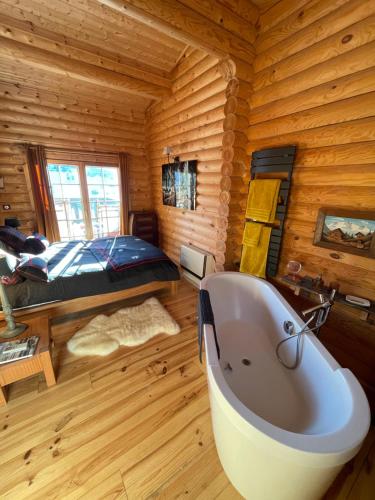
(304, 284)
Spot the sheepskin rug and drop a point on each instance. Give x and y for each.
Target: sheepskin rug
(130, 326)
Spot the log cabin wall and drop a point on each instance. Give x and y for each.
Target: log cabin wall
(57, 120)
(314, 86)
(191, 122)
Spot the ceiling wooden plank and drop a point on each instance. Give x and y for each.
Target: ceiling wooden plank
(66, 101)
(102, 38)
(57, 64)
(225, 17)
(124, 24)
(243, 8)
(185, 24)
(23, 32)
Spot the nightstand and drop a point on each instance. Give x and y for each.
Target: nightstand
(40, 362)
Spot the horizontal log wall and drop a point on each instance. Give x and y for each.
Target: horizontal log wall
(56, 120)
(314, 86)
(191, 122)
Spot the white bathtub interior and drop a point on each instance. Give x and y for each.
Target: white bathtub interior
(249, 325)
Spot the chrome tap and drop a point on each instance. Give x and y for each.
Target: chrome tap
(319, 313)
(322, 309)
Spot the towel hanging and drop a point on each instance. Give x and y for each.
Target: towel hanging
(251, 234)
(262, 199)
(254, 258)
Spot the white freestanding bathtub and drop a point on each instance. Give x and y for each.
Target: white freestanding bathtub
(280, 434)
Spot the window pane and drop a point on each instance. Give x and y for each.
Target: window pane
(67, 197)
(63, 228)
(60, 210)
(72, 191)
(113, 211)
(112, 193)
(94, 175)
(110, 176)
(104, 200)
(96, 191)
(54, 175)
(74, 209)
(69, 174)
(56, 191)
(94, 209)
(113, 226)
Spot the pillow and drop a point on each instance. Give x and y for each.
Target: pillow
(41, 237)
(12, 238)
(34, 268)
(34, 245)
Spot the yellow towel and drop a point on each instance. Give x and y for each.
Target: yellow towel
(254, 259)
(251, 234)
(262, 199)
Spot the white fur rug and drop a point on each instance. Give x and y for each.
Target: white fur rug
(130, 326)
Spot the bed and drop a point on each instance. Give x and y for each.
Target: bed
(84, 274)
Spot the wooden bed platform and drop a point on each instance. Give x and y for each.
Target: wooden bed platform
(62, 308)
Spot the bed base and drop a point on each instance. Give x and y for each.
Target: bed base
(65, 307)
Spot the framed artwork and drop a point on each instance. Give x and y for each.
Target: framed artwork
(179, 183)
(349, 231)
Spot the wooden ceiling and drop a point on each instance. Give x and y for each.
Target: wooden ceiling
(84, 48)
(111, 56)
(264, 5)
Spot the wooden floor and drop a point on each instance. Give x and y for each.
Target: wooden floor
(132, 425)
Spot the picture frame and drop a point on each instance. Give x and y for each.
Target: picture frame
(179, 184)
(344, 230)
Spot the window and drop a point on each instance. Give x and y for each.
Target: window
(87, 199)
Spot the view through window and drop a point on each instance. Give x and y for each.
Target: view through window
(87, 199)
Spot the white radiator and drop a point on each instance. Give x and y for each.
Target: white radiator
(196, 263)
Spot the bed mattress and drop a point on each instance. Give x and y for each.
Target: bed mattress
(83, 268)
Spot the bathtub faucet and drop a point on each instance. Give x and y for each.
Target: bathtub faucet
(322, 309)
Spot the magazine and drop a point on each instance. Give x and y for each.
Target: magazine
(18, 349)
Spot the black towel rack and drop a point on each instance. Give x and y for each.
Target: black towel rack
(275, 161)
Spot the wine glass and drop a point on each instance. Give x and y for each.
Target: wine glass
(294, 267)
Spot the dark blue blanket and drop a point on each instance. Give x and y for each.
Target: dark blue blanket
(114, 255)
(124, 252)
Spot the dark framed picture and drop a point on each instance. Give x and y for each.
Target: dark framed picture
(349, 231)
(179, 182)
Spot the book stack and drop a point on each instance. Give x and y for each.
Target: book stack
(17, 349)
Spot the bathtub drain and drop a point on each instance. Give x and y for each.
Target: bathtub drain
(246, 362)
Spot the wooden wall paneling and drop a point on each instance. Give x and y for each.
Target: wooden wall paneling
(297, 22)
(207, 119)
(341, 42)
(25, 119)
(16, 189)
(350, 13)
(191, 122)
(235, 163)
(343, 65)
(277, 14)
(314, 87)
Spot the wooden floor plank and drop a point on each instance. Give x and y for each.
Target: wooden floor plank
(132, 425)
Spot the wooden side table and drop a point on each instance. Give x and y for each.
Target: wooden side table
(40, 362)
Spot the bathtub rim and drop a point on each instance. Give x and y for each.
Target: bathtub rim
(332, 448)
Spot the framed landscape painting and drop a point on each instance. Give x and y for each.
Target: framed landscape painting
(348, 231)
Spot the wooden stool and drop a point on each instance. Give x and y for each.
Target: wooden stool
(39, 362)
